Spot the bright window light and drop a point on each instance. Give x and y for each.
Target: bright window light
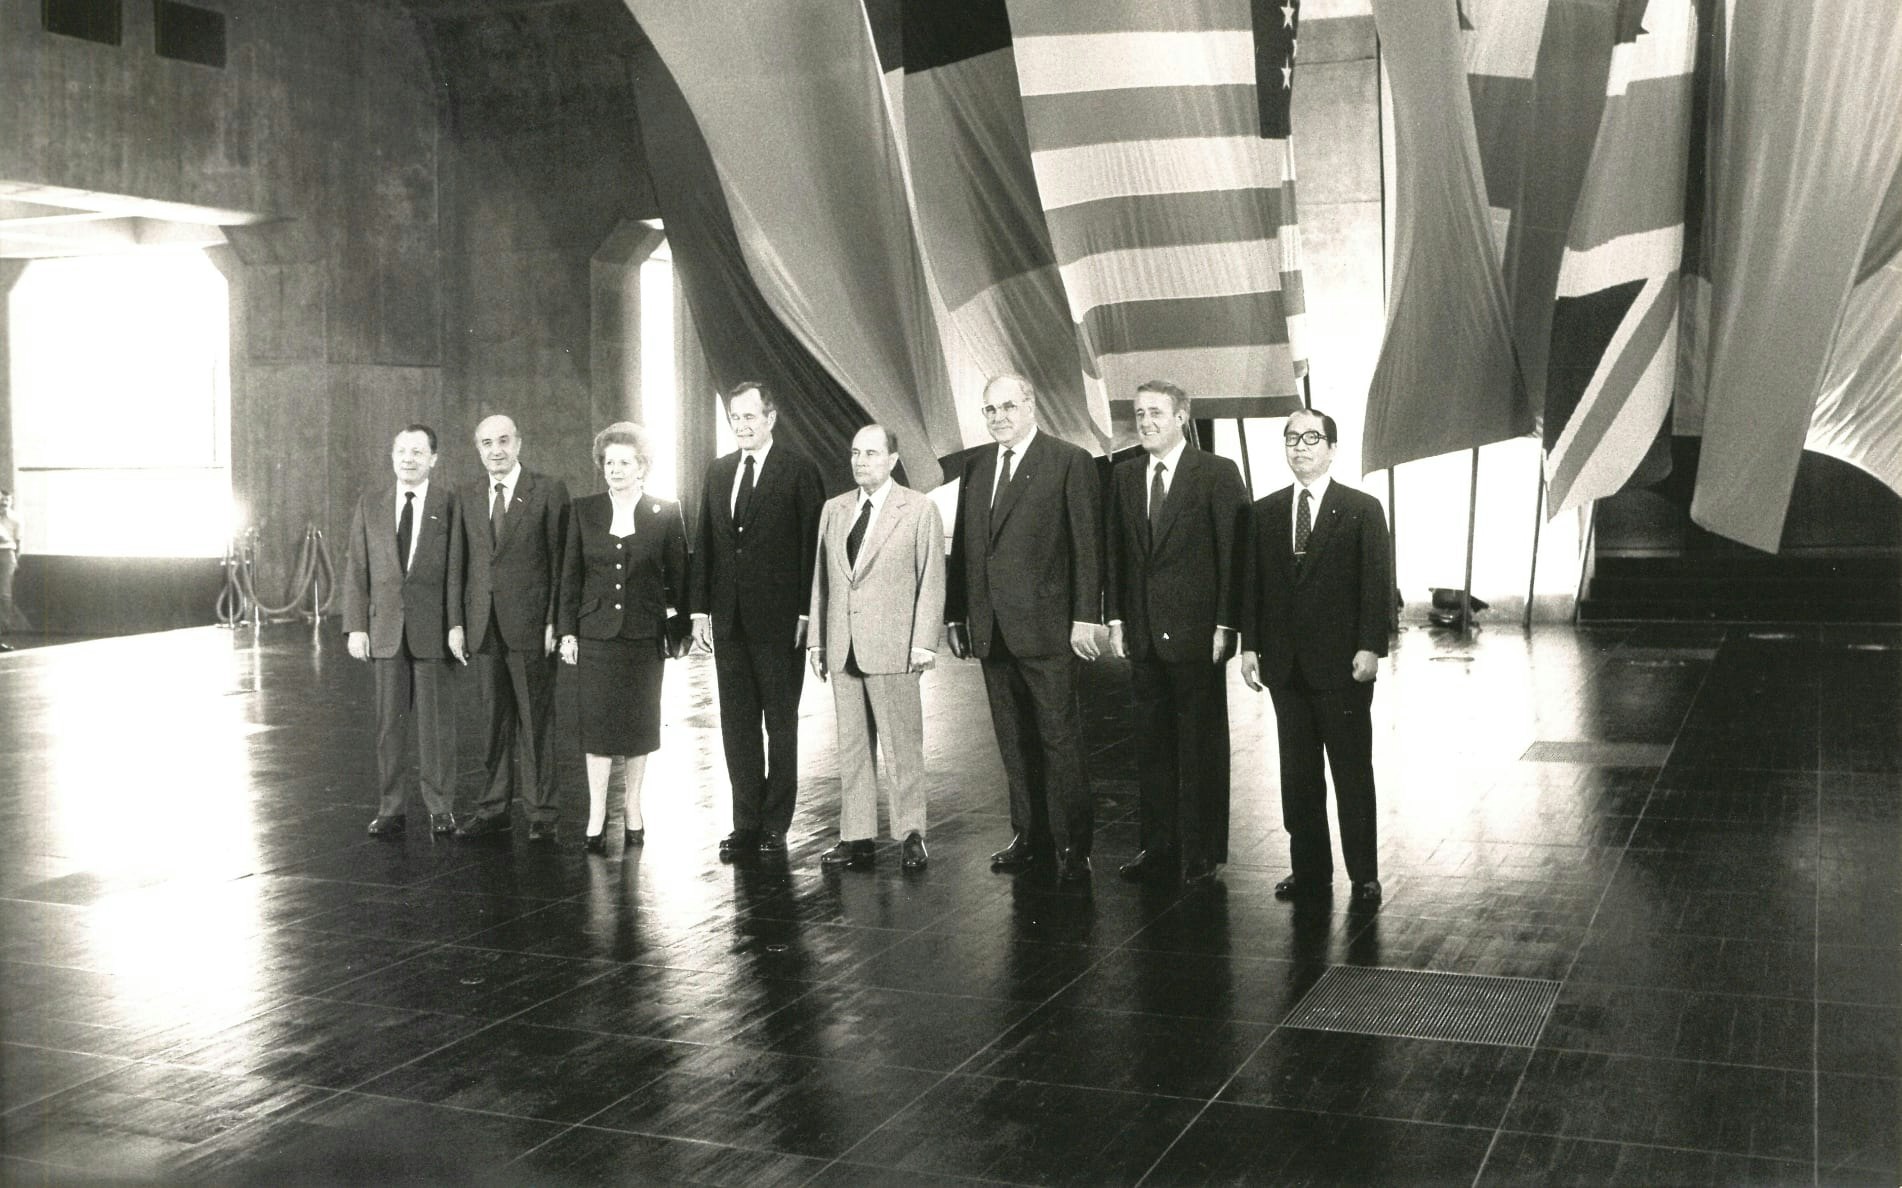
(657, 370)
(122, 405)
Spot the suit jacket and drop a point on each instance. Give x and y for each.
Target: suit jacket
(518, 578)
(757, 576)
(1171, 593)
(608, 584)
(1031, 565)
(894, 602)
(396, 607)
(1335, 603)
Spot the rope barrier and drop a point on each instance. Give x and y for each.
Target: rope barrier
(314, 576)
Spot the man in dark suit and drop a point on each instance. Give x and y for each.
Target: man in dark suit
(399, 584)
(512, 528)
(1024, 593)
(1314, 629)
(757, 536)
(1177, 527)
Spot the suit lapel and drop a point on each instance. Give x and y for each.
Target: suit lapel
(1326, 515)
(385, 541)
(428, 521)
(1179, 490)
(982, 477)
(764, 480)
(883, 524)
(1007, 498)
(721, 479)
(518, 506)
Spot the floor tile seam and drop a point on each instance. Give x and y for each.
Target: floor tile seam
(1649, 1146)
(572, 1127)
(895, 1173)
(1687, 991)
(1658, 1058)
(491, 1025)
(1163, 1155)
(945, 1079)
(438, 948)
(123, 1063)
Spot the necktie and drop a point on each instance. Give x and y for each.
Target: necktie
(1157, 493)
(856, 537)
(1303, 523)
(744, 499)
(496, 511)
(405, 528)
(1003, 477)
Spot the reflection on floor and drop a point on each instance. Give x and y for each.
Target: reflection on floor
(1688, 834)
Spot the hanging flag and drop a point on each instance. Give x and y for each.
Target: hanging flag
(1448, 377)
(951, 78)
(789, 99)
(1613, 333)
(1159, 140)
(1858, 416)
(1810, 147)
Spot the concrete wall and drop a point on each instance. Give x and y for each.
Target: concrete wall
(325, 119)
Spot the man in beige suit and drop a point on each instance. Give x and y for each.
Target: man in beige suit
(878, 611)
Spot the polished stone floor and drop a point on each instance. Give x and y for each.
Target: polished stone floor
(1685, 837)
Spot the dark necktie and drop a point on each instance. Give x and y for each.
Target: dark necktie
(856, 537)
(405, 528)
(496, 511)
(1303, 523)
(744, 499)
(1003, 477)
(1157, 493)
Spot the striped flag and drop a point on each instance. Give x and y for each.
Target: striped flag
(1613, 357)
(1159, 142)
(951, 78)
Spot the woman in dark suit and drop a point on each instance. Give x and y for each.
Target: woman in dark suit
(624, 576)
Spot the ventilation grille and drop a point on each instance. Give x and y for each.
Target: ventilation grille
(1420, 1005)
(1602, 754)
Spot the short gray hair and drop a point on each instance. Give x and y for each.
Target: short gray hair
(625, 433)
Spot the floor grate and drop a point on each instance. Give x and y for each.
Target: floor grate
(1418, 1004)
(1604, 754)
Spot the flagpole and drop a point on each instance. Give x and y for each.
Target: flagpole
(1248, 473)
(1585, 559)
(1472, 521)
(1538, 521)
(1393, 555)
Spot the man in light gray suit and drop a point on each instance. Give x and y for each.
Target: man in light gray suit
(878, 614)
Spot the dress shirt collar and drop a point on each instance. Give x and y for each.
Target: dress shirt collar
(422, 493)
(1172, 460)
(876, 498)
(1017, 451)
(508, 481)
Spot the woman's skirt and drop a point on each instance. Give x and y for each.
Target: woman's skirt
(620, 696)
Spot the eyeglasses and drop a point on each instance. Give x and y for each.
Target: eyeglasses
(993, 410)
(1312, 437)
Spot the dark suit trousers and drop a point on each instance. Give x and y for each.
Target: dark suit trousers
(405, 684)
(1039, 733)
(760, 682)
(1340, 722)
(518, 705)
(1182, 757)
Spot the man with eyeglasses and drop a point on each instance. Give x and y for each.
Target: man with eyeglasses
(1024, 594)
(1314, 627)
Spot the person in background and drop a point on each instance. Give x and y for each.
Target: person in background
(752, 574)
(623, 578)
(1314, 629)
(9, 564)
(877, 617)
(401, 580)
(512, 528)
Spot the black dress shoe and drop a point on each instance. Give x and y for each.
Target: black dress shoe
(1147, 864)
(915, 853)
(737, 843)
(597, 843)
(484, 826)
(1017, 855)
(442, 822)
(541, 831)
(1367, 892)
(1296, 887)
(1198, 872)
(854, 855)
(772, 841)
(387, 826)
(633, 837)
(1073, 867)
